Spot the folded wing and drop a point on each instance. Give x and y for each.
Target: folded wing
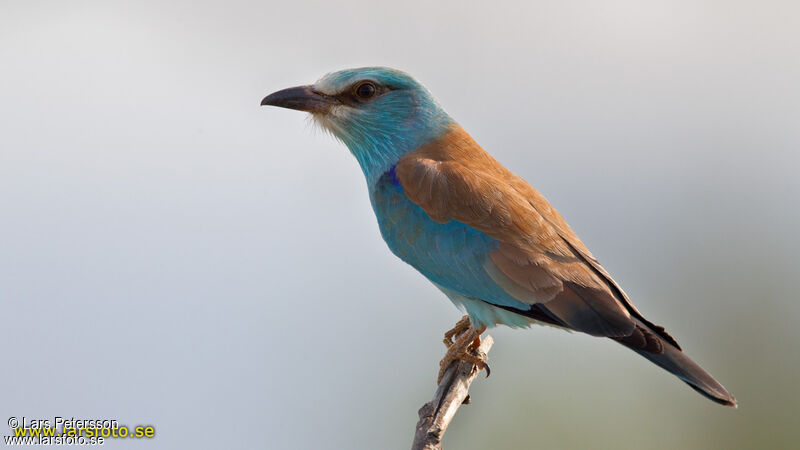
(539, 259)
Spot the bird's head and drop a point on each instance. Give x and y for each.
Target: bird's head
(379, 113)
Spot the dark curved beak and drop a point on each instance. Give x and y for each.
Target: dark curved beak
(301, 98)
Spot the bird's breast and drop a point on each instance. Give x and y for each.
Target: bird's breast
(450, 254)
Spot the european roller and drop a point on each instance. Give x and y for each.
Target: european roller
(482, 235)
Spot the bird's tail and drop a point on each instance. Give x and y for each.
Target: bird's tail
(674, 361)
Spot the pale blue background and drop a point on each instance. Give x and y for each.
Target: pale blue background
(172, 254)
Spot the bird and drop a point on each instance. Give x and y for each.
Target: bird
(482, 235)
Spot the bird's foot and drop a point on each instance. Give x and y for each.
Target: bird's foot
(461, 326)
(462, 345)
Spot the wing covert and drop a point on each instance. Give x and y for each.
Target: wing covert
(538, 259)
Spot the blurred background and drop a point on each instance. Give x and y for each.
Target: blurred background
(173, 254)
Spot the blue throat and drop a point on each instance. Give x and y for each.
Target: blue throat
(384, 135)
(380, 152)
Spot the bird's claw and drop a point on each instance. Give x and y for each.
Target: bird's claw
(462, 345)
(451, 335)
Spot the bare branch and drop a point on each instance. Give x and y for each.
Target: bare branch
(453, 391)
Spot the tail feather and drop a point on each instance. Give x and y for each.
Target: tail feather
(674, 361)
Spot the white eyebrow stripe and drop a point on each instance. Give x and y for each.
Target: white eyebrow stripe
(326, 86)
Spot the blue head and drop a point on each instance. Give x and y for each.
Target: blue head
(379, 113)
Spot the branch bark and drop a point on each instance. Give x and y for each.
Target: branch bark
(453, 391)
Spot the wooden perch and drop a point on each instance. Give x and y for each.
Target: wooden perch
(453, 391)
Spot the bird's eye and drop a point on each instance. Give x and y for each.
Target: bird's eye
(365, 90)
